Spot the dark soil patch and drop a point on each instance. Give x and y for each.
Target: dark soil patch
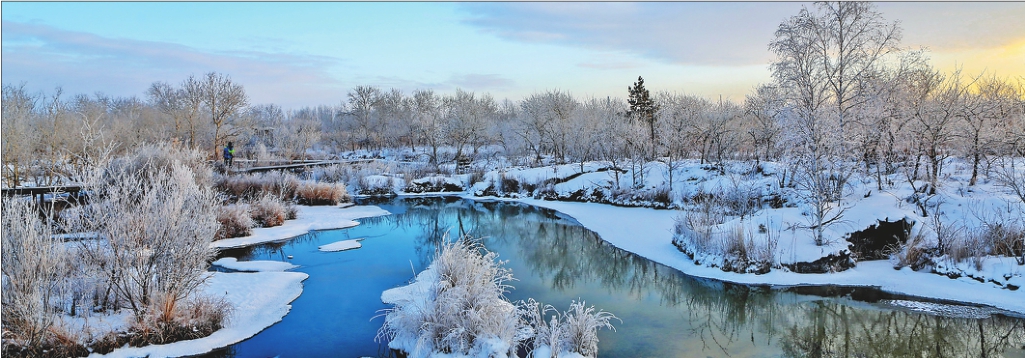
(875, 242)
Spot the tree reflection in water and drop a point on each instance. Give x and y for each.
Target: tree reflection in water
(666, 313)
(720, 315)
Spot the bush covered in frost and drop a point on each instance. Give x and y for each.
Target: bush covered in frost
(457, 307)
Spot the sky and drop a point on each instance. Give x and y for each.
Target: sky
(314, 53)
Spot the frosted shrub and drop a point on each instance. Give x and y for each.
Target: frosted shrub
(572, 332)
(694, 231)
(580, 328)
(33, 277)
(913, 252)
(162, 156)
(464, 313)
(457, 307)
(158, 225)
(235, 221)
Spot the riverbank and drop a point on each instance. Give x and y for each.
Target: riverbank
(649, 233)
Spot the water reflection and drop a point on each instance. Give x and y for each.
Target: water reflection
(664, 312)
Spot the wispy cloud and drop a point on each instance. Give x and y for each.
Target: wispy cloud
(481, 82)
(721, 34)
(953, 26)
(731, 33)
(46, 56)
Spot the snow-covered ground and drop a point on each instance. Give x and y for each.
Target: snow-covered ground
(259, 298)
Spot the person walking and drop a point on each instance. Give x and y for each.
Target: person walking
(229, 154)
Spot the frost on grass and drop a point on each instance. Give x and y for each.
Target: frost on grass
(457, 308)
(341, 245)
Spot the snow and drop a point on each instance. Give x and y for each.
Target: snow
(649, 232)
(309, 218)
(259, 300)
(232, 263)
(341, 245)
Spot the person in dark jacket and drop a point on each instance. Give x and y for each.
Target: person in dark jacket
(229, 154)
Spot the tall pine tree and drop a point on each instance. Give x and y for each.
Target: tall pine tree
(642, 107)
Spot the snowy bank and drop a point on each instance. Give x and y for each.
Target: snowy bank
(309, 218)
(649, 233)
(232, 263)
(259, 300)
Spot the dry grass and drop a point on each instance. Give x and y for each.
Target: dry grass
(914, 253)
(255, 186)
(268, 211)
(235, 220)
(163, 323)
(312, 193)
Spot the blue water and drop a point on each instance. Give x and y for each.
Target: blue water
(664, 313)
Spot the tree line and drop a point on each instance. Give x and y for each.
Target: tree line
(844, 96)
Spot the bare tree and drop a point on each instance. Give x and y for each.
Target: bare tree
(224, 99)
(851, 39)
(192, 97)
(363, 102)
(17, 134)
(169, 101)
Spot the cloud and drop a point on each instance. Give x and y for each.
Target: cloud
(721, 34)
(45, 56)
(481, 82)
(954, 26)
(731, 33)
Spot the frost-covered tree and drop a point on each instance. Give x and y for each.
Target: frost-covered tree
(467, 117)
(18, 135)
(33, 275)
(157, 215)
(363, 103)
(426, 111)
(679, 113)
(764, 108)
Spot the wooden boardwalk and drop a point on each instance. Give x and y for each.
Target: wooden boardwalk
(295, 166)
(39, 193)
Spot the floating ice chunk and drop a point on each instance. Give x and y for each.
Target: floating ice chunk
(342, 245)
(232, 263)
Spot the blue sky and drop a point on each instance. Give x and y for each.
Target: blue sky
(297, 54)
